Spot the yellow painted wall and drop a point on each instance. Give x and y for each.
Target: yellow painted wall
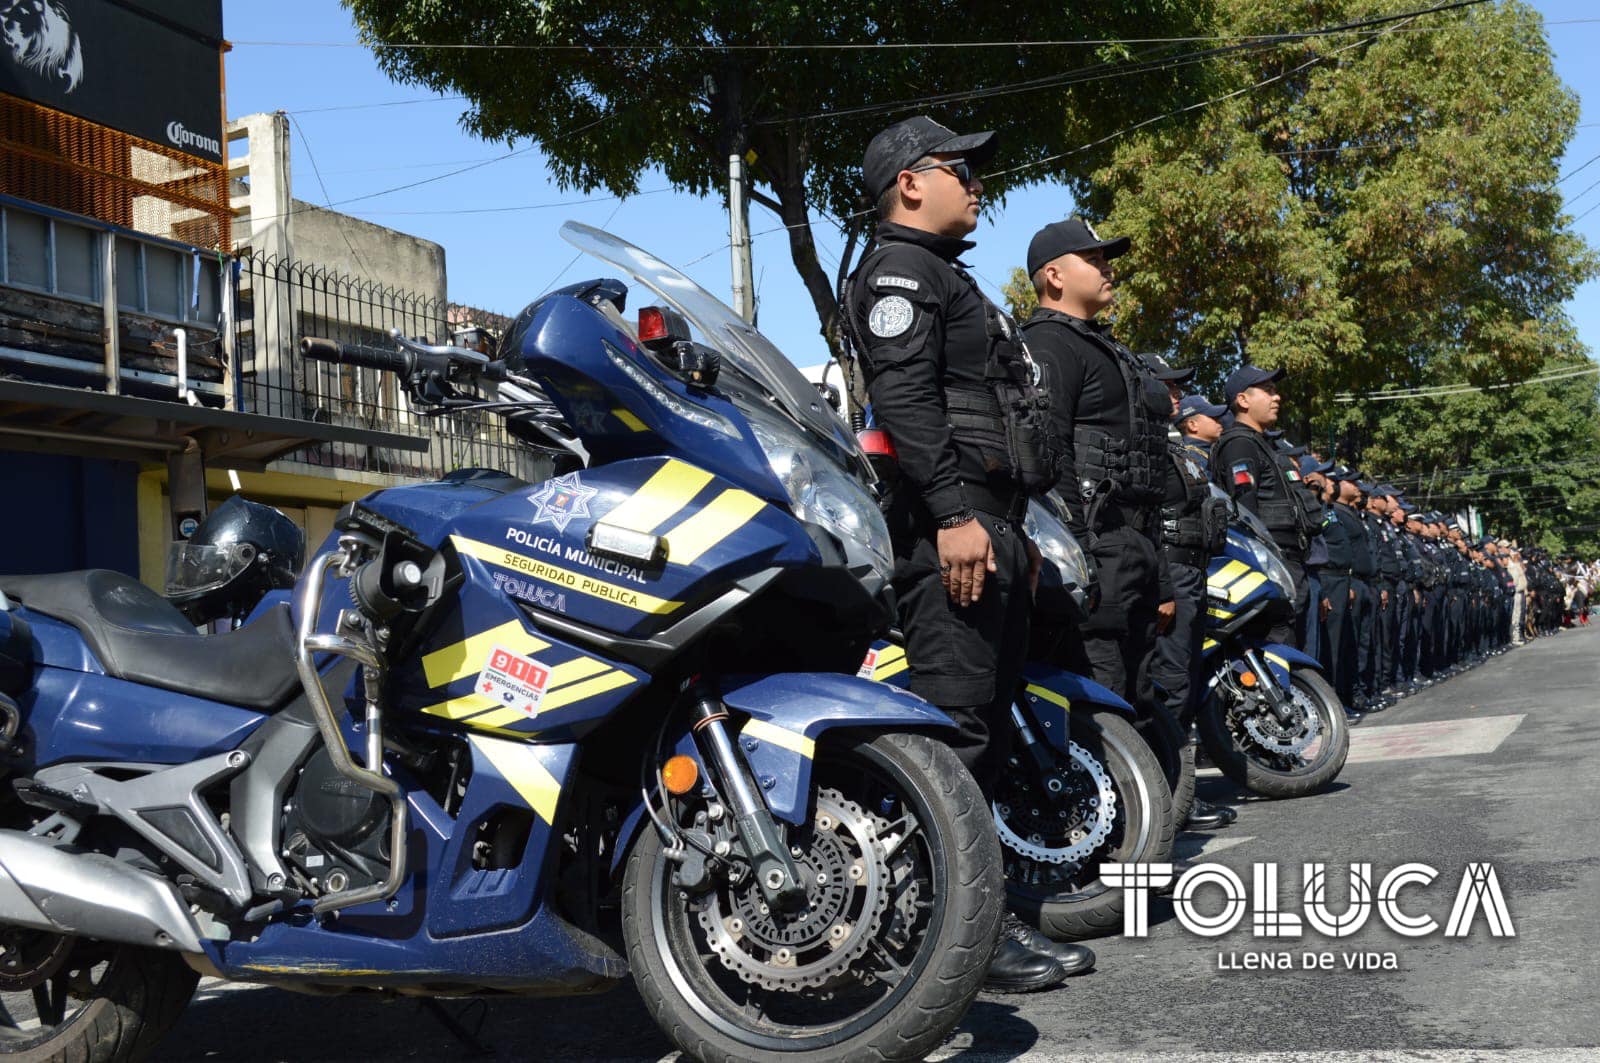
(312, 502)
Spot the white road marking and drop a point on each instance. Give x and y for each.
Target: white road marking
(961, 1046)
(1438, 738)
(1192, 846)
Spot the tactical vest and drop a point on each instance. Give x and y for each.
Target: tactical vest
(1287, 516)
(1199, 522)
(1135, 467)
(1007, 421)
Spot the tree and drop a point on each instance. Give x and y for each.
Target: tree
(1370, 210)
(609, 89)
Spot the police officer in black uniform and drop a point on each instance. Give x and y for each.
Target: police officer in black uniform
(1109, 417)
(1194, 525)
(1391, 589)
(957, 392)
(1255, 473)
(1342, 583)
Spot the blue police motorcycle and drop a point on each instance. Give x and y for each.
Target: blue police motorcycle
(515, 738)
(1081, 787)
(1269, 720)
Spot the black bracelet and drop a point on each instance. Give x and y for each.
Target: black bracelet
(957, 520)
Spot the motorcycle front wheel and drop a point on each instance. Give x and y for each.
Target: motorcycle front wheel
(1254, 761)
(1114, 807)
(905, 898)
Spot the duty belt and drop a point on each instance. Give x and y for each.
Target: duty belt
(1185, 555)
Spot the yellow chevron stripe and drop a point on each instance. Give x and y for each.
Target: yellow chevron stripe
(720, 518)
(522, 769)
(462, 707)
(564, 577)
(1242, 588)
(626, 416)
(881, 671)
(1046, 694)
(659, 497)
(780, 736)
(1220, 614)
(1279, 661)
(468, 656)
(1208, 644)
(1227, 574)
(891, 653)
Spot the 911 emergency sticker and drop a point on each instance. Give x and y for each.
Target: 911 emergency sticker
(890, 317)
(516, 682)
(868, 665)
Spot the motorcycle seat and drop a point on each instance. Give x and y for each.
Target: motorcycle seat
(143, 638)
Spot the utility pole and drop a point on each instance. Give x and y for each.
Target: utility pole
(744, 297)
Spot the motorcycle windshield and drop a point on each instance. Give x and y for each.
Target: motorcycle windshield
(743, 349)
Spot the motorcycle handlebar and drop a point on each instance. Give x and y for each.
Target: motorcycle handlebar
(321, 350)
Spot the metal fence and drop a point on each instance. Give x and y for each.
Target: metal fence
(277, 302)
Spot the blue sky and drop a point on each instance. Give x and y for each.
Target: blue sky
(498, 222)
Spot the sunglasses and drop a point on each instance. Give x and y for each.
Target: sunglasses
(958, 168)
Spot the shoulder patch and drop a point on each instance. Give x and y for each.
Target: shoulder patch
(1242, 476)
(890, 317)
(889, 280)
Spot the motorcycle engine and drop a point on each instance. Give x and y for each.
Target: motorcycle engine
(335, 830)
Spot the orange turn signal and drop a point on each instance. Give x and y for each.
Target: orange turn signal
(1248, 679)
(679, 774)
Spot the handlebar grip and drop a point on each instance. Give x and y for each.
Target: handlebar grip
(321, 350)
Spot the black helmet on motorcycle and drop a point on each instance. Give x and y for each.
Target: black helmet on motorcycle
(243, 550)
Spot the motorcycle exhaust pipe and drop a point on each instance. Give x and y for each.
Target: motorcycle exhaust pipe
(46, 887)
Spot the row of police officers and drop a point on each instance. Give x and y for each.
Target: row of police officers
(984, 413)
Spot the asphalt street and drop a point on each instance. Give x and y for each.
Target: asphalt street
(1497, 765)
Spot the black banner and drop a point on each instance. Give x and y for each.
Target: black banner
(151, 68)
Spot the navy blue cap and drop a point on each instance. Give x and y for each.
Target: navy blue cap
(1165, 372)
(1190, 405)
(1387, 490)
(1248, 376)
(1309, 465)
(1342, 472)
(1366, 487)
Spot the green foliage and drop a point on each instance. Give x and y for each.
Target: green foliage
(620, 95)
(1381, 213)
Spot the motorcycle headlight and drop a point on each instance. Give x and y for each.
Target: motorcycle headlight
(1058, 545)
(821, 493)
(1268, 561)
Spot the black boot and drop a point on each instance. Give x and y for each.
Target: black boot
(1206, 816)
(1018, 969)
(1074, 959)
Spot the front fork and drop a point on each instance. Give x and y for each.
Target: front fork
(775, 870)
(1277, 699)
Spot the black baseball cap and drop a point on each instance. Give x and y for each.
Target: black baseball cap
(1165, 372)
(902, 144)
(1248, 376)
(1072, 236)
(1190, 405)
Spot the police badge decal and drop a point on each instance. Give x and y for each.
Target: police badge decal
(890, 317)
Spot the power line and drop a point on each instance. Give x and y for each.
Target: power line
(376, 106)
(1462, 388)
(339, 224)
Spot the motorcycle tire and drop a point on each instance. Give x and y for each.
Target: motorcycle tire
(1145, 836)
(127, 999)
(1170, 743)
(1267, 779)
(949, 937)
